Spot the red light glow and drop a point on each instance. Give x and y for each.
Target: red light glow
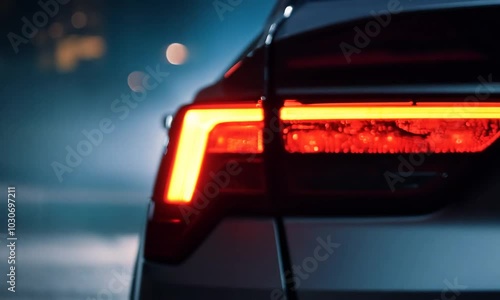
(389, 128)
(196, 129)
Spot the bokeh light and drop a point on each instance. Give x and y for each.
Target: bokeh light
(71, 50)
(135, 81)
(177, 54)
(79, 20)
(56, 30)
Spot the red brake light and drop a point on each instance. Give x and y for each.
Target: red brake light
(197, 187)
(236, 138)
(390, 128)
(224, 129)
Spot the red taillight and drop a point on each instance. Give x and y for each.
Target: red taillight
(390, 128)
(236, 138)
(402, 127)
(211, 129)
(335, 159)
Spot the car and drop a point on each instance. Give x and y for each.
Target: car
(351, 152)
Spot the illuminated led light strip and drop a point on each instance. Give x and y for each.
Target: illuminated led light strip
(489, 112)
(293, 102)
(391, 112)
(196, 127)
(233, 69)
(199, 122)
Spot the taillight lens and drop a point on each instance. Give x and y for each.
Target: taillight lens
(412, 155)
(211, 129)
(389, 128)
(236, 138)
(221, 133)
(350, 158)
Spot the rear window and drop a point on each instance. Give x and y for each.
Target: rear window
(414, 48)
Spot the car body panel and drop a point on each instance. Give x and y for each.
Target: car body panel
(247, 81)
(240, 258)
(410, 257)
(414, 257)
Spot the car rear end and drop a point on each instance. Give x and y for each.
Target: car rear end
(351, 155)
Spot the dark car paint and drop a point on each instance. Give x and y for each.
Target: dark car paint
(377, 258)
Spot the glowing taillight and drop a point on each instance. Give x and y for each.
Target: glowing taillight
(217, 163)
(402, 127)
(233, 129)
(390, 128)
(236, 138)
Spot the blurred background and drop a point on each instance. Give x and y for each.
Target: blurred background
(68, 68)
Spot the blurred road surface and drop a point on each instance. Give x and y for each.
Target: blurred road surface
(74, 249)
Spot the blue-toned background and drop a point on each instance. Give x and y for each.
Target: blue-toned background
(79, 231)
